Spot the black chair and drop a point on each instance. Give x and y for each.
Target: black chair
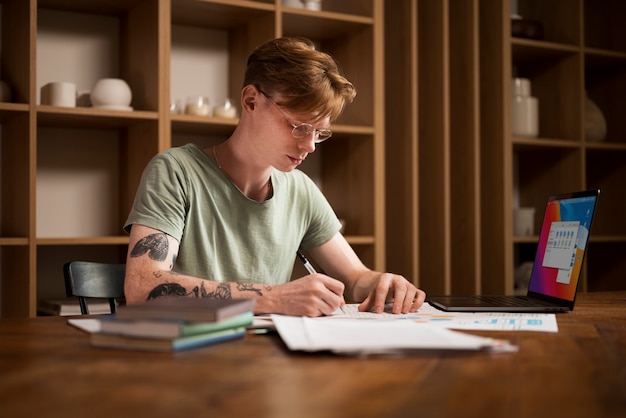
(94, 280)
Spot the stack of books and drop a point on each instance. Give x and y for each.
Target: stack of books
(70, 306)
(174, 323)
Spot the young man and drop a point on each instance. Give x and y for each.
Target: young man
(227, 221)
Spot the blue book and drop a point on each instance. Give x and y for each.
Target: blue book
(168, 329)
(160, 344)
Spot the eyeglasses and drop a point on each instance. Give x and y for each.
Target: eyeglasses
(302, 130)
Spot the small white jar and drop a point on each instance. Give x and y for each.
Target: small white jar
(111, 93)
(525, 110)
(198, 106)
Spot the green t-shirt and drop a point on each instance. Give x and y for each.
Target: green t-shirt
(224, 235)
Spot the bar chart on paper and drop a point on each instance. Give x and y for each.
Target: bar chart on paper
(487, 321)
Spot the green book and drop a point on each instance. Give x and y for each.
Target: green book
(165, 344)
(167, 329)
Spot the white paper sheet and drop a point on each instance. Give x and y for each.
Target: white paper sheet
(482, 321)
(358, 336)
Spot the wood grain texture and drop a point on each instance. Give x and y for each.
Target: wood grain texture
(47, 368)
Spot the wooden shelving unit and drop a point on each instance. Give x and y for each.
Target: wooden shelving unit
(350, 168)
(454, 168)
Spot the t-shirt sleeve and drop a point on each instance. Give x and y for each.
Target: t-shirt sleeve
(160, 202)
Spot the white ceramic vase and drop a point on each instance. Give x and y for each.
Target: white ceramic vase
(525, 109)
(111, 93)
(595, 122)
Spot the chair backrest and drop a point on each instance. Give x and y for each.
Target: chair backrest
(86, 279)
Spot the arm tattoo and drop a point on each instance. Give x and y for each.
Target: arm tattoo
(246, 287)
(167, 289)
(222, 291)
(155, 245)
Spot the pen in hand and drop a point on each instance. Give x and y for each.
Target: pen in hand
(307, 264)
(309, 267)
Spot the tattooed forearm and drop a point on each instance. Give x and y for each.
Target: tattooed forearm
(155, 245)
(167, 289)
(247, 287)
(222, 291)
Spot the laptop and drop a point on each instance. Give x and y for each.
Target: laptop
(558, 262)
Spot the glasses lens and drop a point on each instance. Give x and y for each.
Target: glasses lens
(305, 130)
(324, 134)
(302, 131)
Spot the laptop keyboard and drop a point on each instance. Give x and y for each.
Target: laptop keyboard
(507, 300)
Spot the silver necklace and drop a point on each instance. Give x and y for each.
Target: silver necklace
(270, 187)
(215, 157)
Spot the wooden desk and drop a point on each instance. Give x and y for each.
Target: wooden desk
(48, 369)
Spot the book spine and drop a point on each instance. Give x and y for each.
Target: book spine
(200, 340)
(241, 320)
(170, 329)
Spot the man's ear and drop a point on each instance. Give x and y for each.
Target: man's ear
(249, 97)
(250, 102)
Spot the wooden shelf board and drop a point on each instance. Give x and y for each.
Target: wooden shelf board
(91, 117)
(13, 241)
(220, 14)
(608, 238)
(608, 146)
(520, 142)
(530, 50)
(110, 240)
(323, 25)
(108, 7)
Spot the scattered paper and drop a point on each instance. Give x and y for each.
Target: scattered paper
(366, 337)
(481, 321)
(85, 324)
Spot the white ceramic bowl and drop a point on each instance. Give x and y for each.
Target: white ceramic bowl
(111, 92)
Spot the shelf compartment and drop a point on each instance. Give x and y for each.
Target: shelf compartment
(544, 172)
(366, 252)
(15, 163)
(560, 19)
(606, 171)
(51, 258)
(605, 266)
(16, 288)
(555, 81)
(113, 43)
(606, 87)
(86, 179)
(604, 24)
(16, 47)
(209, 33)
(346, 178)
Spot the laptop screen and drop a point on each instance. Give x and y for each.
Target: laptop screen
(562, 244)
